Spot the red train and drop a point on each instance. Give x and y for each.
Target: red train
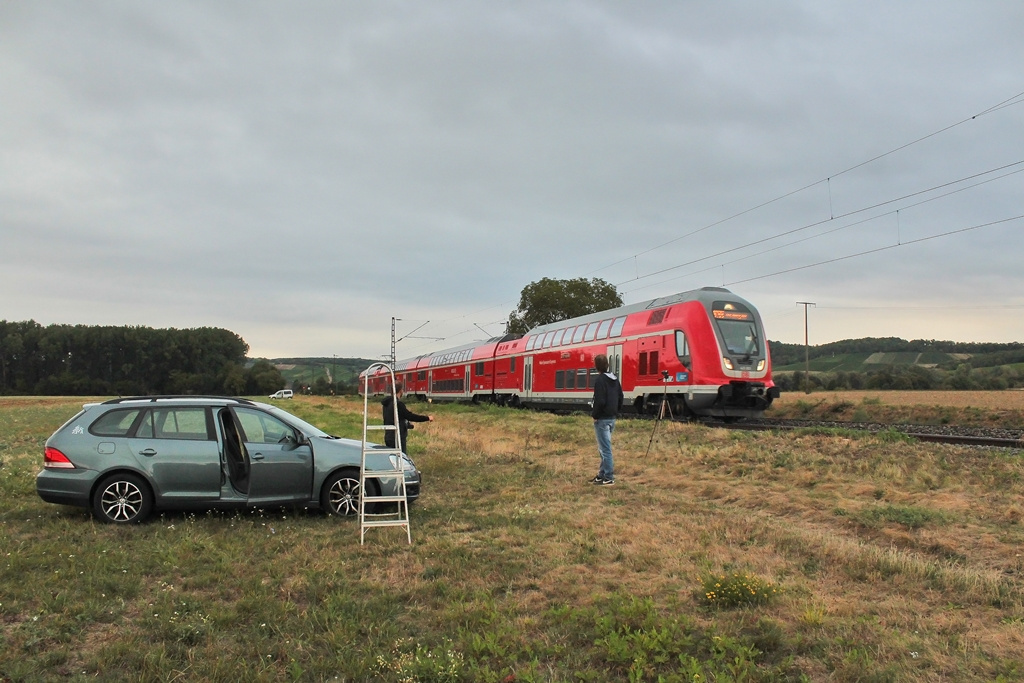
(703, 351)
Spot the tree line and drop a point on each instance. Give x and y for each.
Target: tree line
(983, 354)
(80, 360)
(905, 377)
(991, 366)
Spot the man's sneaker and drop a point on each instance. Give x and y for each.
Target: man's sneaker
(604, 482)
(597, 480)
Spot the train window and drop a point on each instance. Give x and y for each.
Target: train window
(547, 339)
(529, 343)
(602, 331)
(657, 316)
(591, 332)
(581, 378)
(682, 348)
(479, 368)
(448, 385)
(557, 341)
(570, 379)
(617, 326)
(592, 378)
(560, 379)
(577, 336)
(738, 327)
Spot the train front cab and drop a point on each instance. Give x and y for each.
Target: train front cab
(741, 362)
(705, 356)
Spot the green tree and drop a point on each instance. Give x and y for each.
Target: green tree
(263, 378)
(548, 301)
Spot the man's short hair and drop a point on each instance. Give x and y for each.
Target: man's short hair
(399, 386)
(601, 362)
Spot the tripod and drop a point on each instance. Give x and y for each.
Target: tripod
(665, 407)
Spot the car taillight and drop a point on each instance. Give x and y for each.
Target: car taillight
(54, 459)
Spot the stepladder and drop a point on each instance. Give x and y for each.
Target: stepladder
(383, 500)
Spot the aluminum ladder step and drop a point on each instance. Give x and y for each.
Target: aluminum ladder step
(400, 517)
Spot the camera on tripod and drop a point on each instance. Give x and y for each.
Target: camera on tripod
(665, 406)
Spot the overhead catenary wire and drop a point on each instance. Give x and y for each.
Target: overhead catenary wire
(1008, 102)
(1011, 101)
(828, 232)
(879, 249)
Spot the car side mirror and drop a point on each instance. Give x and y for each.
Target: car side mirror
(291, 442)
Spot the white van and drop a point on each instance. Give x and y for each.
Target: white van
(284, 393)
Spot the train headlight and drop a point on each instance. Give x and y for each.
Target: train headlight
(727, 363)
(760, 365)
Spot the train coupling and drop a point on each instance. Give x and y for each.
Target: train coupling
(747, 395)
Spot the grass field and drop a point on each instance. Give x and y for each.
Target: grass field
(967, 408)
(718, 556)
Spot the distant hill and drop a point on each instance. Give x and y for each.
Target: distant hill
(872, 354)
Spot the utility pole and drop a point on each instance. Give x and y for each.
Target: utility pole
(807, 348)
(393, 321)
(408, 336)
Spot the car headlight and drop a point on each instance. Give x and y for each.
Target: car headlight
(727, 363)
(405, 463)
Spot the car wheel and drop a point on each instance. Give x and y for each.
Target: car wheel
(122, 499)
(341, 492)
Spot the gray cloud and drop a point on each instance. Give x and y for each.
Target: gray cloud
(301, 173)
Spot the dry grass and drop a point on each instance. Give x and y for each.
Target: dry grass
(967, 408)
(987, 400)
(896, 560)
(797, 511)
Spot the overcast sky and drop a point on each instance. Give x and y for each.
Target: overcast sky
(302, 172)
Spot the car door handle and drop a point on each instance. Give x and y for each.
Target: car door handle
(148, 452)
(257, 456)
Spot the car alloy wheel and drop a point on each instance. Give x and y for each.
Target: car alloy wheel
(122, 499)
(341, 494)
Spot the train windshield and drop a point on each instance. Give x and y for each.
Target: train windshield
(738, 327)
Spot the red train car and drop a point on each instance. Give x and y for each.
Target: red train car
(703, 352)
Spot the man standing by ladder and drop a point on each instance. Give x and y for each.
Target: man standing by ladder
(405, 416)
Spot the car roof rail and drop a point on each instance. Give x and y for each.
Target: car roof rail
(178, 397)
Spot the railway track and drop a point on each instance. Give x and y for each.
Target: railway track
(949, 434)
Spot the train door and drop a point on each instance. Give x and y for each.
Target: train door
(527, 377)
(615, 360)
(469, 382)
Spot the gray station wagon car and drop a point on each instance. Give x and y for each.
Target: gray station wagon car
(127, 457)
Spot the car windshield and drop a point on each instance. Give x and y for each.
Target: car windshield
(307, 429)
